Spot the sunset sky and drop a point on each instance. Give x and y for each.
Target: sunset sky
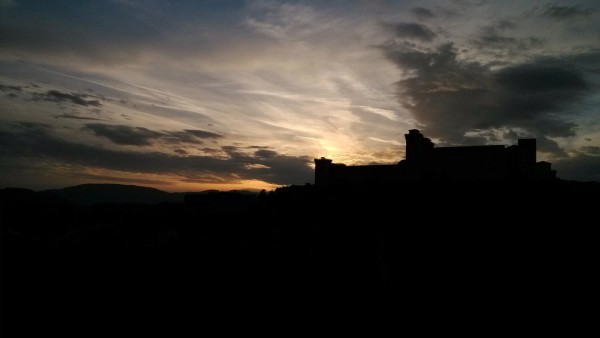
(194, 95)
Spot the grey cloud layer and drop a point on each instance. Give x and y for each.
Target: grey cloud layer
(85, 28)
(422, 13)
(5, 88)
(37, 141)
(297, 75)
(496, 38)
(414, 31)
(106, 32)
(452, 96)
(75, 117)
(567, 12)
(583, 167)
(139, 136)
(75, 98)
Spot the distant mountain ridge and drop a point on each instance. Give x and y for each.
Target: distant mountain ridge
(89, 194)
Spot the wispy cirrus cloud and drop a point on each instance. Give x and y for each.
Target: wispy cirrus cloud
(160, 81)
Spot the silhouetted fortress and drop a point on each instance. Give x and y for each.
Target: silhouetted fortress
(425, 162)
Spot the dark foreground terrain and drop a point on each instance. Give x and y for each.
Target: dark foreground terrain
(483, 253)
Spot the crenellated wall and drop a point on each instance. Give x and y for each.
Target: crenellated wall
(425, 162)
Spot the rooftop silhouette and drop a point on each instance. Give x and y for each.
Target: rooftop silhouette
(425, 162)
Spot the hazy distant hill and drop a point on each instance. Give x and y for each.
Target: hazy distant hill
(10, 197)
(88, 194)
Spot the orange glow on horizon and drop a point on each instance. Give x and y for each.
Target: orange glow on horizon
(164, 182)
(253, 185)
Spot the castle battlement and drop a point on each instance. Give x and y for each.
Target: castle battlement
(425, 162)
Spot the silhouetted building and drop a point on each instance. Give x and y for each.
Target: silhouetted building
(425, 162)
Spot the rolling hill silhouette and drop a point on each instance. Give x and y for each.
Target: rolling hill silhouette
(432, 243)
(89, 194)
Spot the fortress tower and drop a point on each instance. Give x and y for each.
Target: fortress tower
(322, 170)
(418, 147)
(424, 162)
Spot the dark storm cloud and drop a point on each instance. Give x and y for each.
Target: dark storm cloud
(591, 150)
(495, 37)
(422, 13)
(203, 134)
(211, 151)
(6, 88)
(414, 31)
(139, 136)
(90, 29)
(37, 141)
(580, 167)
(110, 32)
(126, 135)
(540, 77)
(264, 153)
(566, 12)
(452, 96)
(274, 167)
(75, 117)
(75, 98)
(180, 151)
